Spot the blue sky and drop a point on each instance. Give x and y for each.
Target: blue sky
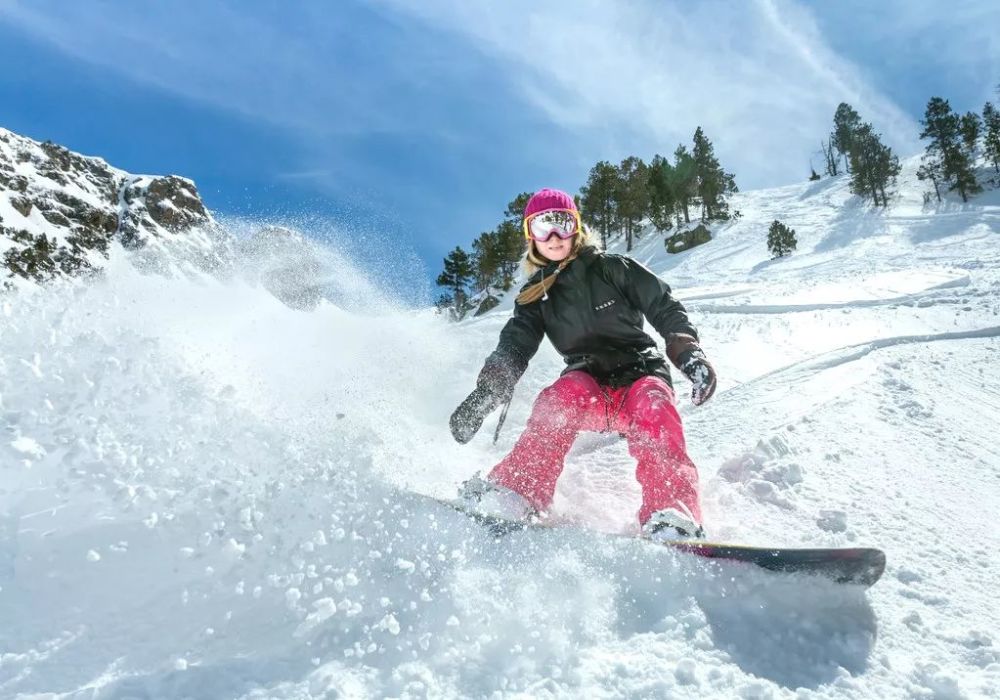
(417, 120)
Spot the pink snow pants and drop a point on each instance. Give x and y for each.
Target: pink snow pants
(643, 411)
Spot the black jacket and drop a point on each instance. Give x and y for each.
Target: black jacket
(594, 317)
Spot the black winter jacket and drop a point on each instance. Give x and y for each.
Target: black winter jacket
(594, 317)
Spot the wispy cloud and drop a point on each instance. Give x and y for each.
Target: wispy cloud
(411, 97)
(759, 77)
(951, 49)
(376, 105)
(291, 68)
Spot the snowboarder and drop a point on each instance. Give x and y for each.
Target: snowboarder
(591, 306)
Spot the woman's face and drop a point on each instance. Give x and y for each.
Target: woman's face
(555, 249)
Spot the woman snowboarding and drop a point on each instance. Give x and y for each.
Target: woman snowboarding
(591, 306)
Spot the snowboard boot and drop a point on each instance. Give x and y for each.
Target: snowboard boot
(483, 496)
(672, 524)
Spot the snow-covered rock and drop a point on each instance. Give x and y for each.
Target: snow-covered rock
(60, 212)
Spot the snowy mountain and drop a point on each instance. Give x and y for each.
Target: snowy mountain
(60, 211)
(65, 214)
(207, 493)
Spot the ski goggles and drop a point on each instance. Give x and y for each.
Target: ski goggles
(564, 223)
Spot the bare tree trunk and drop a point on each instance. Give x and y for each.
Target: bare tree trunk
(831, 159)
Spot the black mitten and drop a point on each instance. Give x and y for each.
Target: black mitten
(498, 376)
(470, 414)
(699, 370)
(494, 387)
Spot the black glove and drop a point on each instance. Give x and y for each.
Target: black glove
(699, 370)
(494, 387)
(498, 376)
(470, 414)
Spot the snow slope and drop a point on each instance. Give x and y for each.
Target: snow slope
(208, 494)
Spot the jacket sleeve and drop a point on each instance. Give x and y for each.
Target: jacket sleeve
(651, 295)
(519, 341)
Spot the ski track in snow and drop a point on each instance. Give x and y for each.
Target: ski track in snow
(206, 494)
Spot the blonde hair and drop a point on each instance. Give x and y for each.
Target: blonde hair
(534, 261)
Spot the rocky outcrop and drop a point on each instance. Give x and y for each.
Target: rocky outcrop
(685, 240)
(488, 303)
(174, 203)
(60, 211)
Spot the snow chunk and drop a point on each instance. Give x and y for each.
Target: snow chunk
(28, 447)
(234, 548)
(325, 609)
(390, 624)
(832, 520)
(404, 565)
(941, 684)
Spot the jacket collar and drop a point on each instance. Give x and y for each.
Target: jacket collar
(585, 257)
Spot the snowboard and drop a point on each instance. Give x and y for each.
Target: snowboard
(861, 566)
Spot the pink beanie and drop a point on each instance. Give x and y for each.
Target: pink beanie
(547, 200)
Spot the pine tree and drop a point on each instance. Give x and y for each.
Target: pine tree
(685, 182)
(886, 169)
(846, 123)
(863, 152)
(971, 126)
(780, 239)
(515, 208)
(713, 184)
(494, 261)
(941, 127)
(931, 169)
(443, 302)
(486, 260)
(598, 201)
(458, 271)
(510, 248)
(510, 237)
(874, 167)
(662, 200)
(991, 137)
(946, 151)
(632, 196)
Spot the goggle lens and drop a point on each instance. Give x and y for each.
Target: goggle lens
(564, 224)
